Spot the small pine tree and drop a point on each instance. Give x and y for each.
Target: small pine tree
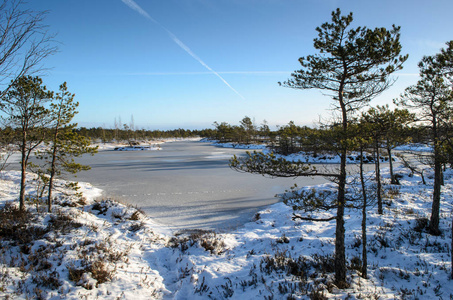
(362, 141)
(65, 143)
(24, 106)
(248, 128)
(432, 99)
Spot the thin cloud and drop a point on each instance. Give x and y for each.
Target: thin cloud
(138, 9)
(175, 39)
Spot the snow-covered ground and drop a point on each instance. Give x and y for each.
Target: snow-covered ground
(153, 145)
(235, 145)
(415, 148)
(352, 158)
(101, 249)
(323, 158)
(137, 148)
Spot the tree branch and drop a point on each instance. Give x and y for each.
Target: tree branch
(299, 217)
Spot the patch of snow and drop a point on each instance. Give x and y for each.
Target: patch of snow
(137, 148)
(352, 158)
(148, 261)
(415, 148)
(234, 145)
(241, 146)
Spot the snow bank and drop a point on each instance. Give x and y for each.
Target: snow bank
(323, 158)
(273, 256)
(352, 158)
(155, 145)
(234, 145)
(137, 148)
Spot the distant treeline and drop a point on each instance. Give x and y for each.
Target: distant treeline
(285, 139)
(292, 138)
(128, 135)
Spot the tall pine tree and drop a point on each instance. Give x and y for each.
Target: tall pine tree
(353, 66)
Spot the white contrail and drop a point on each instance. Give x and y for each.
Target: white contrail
(137, 8)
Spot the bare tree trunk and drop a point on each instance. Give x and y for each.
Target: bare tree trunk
(364, 215)
(378, 180)
(53, 164)
(340, 253)
(340, 256)
(23, 169)
(435, 211)
(442, 169)
(393, 179)
(51, 178)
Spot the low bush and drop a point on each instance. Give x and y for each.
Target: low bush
(62, 223)
(283, 262)
(16, 226)
(208, 240)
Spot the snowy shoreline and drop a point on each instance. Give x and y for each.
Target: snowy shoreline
(352, 158)
(142, 260)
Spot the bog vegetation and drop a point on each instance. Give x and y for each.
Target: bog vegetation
(351, 65)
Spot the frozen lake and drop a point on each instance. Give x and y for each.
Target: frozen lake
(186, 185)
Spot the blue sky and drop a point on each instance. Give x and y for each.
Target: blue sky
(122, 62)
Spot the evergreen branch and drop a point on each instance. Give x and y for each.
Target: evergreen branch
(268, 164)
(299, 217)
